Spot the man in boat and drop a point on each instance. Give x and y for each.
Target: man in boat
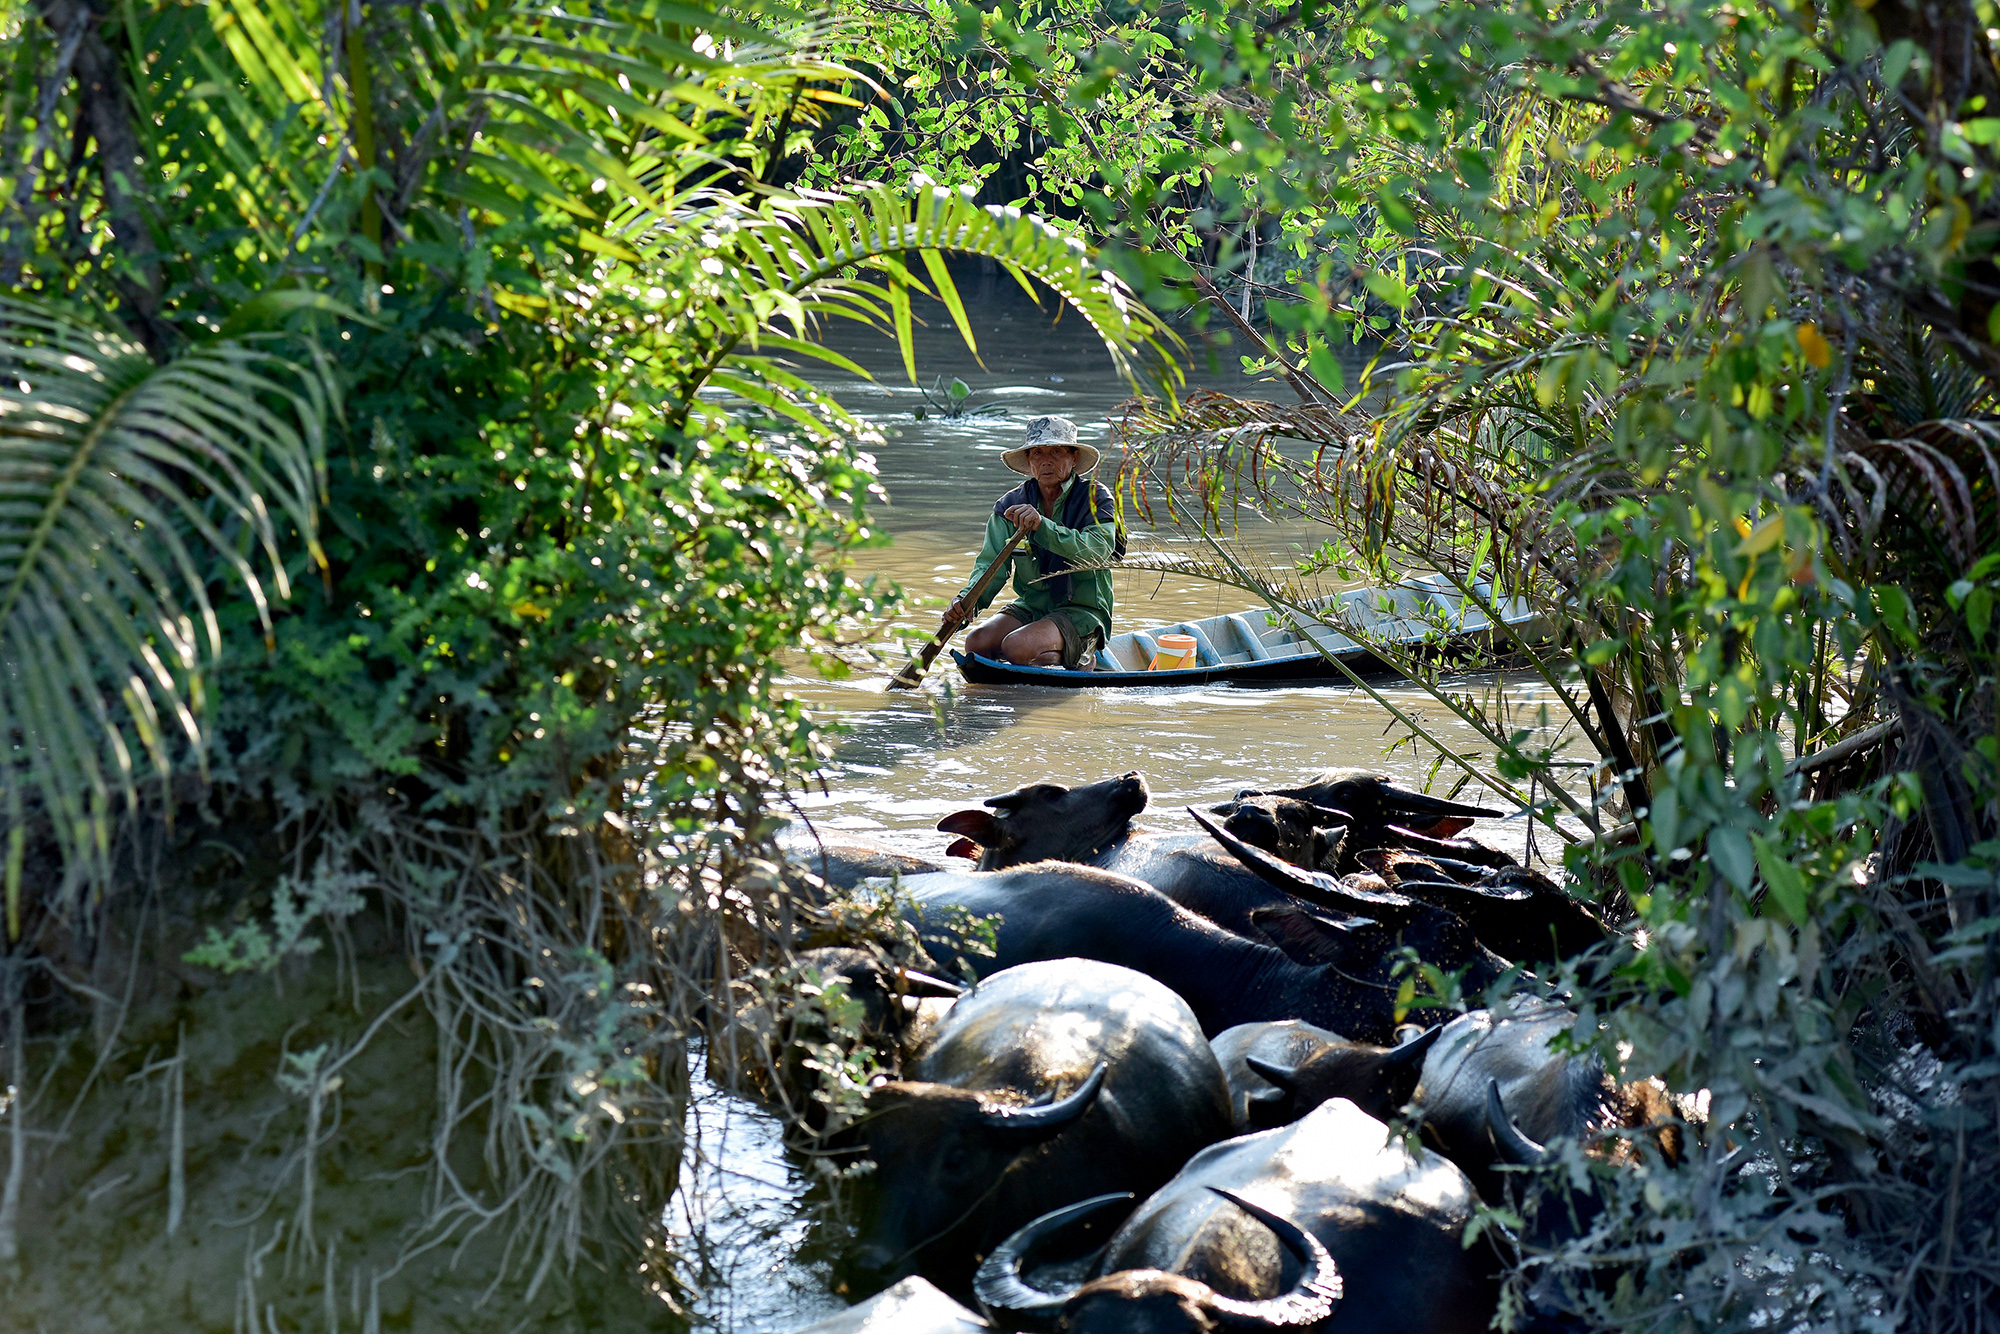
(1060, 614)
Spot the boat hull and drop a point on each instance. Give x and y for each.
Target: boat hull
(1421, 617)
(981, 671)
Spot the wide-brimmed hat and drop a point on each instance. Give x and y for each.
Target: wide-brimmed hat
(1051, 431)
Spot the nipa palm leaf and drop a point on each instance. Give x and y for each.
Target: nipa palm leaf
(826, 254)
(124, 485)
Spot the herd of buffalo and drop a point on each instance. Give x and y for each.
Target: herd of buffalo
(1156, 1091)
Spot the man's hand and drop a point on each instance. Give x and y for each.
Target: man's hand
(957, 614)
(1025, 517)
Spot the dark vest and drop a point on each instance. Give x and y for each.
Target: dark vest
(1088, 503)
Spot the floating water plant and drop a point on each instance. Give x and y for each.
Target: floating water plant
(954, 402)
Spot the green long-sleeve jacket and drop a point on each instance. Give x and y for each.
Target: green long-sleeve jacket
(1089, 604)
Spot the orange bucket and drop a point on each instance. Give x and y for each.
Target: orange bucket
(1176, 651)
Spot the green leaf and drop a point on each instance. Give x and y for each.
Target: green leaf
(269, 310)
(899, 304)
(1325, 367)
(817, 245)
(1396, 214)
(1979, 612)
(1896, 61)
(1786, 885)
(127, 481)
(947, 291)
(1729, 852)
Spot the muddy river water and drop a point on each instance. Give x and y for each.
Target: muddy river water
(908, 759)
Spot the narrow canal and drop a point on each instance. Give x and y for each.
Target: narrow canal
(908, 759)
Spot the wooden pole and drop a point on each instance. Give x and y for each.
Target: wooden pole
(913, 672)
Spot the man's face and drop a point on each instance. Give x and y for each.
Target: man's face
(1052, 464)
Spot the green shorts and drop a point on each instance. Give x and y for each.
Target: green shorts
(1075, 643)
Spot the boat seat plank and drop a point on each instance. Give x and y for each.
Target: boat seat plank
(1253, 643)
(1204, 649)
(1139, 650)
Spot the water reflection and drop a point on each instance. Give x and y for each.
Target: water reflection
(740, 1219)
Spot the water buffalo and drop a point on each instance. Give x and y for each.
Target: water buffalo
(1092, 826)
(1378, 1080)
(1388, 918)
(1074, 824)
(844, 861)
(1045, 1083)
(1291, 830)
(1329, 1223)
(1329, 972)
(1506, 917)
(1376, 812)
(1516, 912)
(911, 1306)
(1048, 822)
(1468, 856)
(1286, 1042)
(1493, 1092)
(839, 996)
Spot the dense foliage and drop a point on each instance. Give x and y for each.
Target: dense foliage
(1688, 333)
(496, 306)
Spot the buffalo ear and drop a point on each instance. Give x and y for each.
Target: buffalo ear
(1451, 826)
(1008, 801)
(964, 847)
(1305, 937)
(979, 826)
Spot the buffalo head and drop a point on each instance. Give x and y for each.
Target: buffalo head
(1291, 830)
(1378, 1080)
(942, 1158)
(1155, 1301)
(1047, 822)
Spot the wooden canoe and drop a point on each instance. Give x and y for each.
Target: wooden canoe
(1425, 615)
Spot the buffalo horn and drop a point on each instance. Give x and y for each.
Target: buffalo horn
(1311, 1299)
(999, 1285)
(1414, 1049)
(1279, 1076)
(1513, 1146)
(1229, 807)
(1463, 872)
(1432, 808)
(1050, 1117)
(1468, 851)
(1322, 815)
(1313, 886)
(924, 984)
(1415, 865)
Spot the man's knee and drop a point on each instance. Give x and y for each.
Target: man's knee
(986, 640)
(1039, 643)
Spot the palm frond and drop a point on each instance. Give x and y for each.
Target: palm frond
(798, 261)
(122, 485)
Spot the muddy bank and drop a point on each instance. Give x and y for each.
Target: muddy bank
(242, 1160)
